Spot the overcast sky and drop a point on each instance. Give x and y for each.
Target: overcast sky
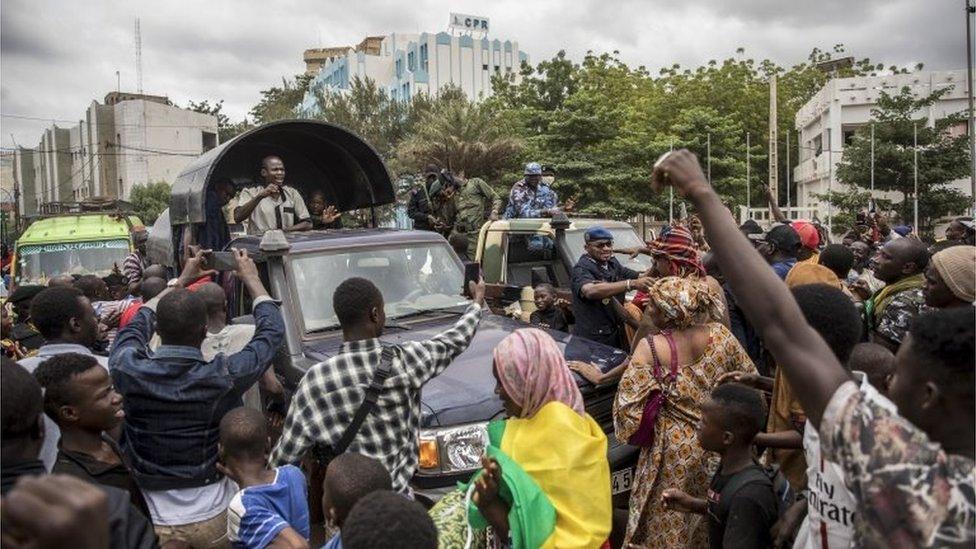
(57, 56)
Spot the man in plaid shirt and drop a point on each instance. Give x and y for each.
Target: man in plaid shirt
(330, 393)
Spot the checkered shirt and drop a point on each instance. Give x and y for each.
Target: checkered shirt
(331, 391)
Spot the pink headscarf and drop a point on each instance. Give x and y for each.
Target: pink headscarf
(534, 373)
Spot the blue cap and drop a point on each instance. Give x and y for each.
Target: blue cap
(597, 233)
(533, 168)
(903, 230)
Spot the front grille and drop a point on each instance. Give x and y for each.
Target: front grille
(598, 402)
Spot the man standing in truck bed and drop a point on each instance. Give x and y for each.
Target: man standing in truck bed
(274, 205)
(476, 201)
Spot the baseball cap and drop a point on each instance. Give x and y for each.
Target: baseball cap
(781, 237)
(597, 233)
(533, 168)
(809, 237)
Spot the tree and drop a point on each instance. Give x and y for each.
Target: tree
(278, 103)
(369, 112)
(149, 200)
(942, 156)
(226, 130)
(462, 136)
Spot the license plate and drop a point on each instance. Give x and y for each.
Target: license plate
(620, 481)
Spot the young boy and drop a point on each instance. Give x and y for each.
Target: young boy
(350, 477)
(741, 504)
(80, 398)
(272, 505)
(877, 363)
(548, 310)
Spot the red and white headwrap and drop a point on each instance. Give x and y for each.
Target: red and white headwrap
(678, 246)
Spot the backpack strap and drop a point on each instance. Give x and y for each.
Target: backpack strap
(369, 401)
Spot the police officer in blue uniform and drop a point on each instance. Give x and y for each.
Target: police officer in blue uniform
(599, 278)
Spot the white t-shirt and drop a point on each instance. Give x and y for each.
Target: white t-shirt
(274, 212)
(830, 505)
(189, 505)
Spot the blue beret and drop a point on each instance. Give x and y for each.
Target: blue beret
(533, 168)
(597, 233)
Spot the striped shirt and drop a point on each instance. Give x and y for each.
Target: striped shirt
(257, 514)
(132, 267)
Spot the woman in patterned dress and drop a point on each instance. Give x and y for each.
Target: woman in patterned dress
(688, 314)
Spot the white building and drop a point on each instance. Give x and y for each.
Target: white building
(407, 64)
(129, 140)
(828, 121)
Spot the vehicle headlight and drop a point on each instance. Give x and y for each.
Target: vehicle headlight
(453, 449)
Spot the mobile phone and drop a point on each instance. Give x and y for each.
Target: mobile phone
(472, 272)
(221, 261)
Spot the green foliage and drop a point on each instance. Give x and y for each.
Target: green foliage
(278, 103)
(226, 130)
(942, 157)
(462, 136)
(150, 200)
(847, 204)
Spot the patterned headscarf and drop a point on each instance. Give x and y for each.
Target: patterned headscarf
(534, 373)
(678, 247)
(684, 302)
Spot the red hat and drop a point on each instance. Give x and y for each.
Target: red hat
(809, 237)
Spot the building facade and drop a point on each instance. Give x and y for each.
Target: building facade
(128, 140)
(407, 64)
(828, 121)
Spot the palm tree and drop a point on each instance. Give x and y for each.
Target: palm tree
(462, 136)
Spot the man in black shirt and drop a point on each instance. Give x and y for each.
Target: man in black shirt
(22, 437)
(324, 215)
(597, 278)
(23, 331)
(548, 310)
(80, 398)
(419, 208)
(741, 504)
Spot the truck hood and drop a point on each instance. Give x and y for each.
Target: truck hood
(465, 391)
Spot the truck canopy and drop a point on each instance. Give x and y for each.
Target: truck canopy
(317, 156)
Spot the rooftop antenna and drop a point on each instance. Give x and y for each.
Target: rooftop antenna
(138, 56)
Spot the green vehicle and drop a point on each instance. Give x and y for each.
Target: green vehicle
(72, 243)
(519, 253)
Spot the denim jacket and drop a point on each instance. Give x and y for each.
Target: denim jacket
(174, 399)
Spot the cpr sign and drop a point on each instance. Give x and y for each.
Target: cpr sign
(469, 22)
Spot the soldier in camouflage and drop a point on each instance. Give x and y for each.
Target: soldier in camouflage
(475, 202)
(890, 311)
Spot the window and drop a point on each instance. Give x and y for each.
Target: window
(411, 62)
(209, 140)
(484, 67)
(817, 145)
(532, 259)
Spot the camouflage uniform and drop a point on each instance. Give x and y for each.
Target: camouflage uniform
(475, 200)
(524, 202)
(897, 317)
(909, 492)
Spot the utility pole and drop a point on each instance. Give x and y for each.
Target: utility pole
(788, 169)
(671, 196)
(138, 56)
(708, 148)
(773, 141)
(830, 182)
(748, 177)
(871, 200)
(915, 167)
(970, 10)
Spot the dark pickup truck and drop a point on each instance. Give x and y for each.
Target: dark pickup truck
(418, 273)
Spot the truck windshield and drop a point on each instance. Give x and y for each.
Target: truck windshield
(36, 263)
(622, 238)
(416, 279)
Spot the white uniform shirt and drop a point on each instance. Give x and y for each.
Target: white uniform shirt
(274, 212)
(830, 505)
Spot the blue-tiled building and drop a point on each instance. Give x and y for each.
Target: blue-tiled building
(408, 64)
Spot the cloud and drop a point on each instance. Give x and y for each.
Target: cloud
(59, 55)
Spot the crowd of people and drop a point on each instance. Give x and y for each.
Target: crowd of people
(783, 391)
